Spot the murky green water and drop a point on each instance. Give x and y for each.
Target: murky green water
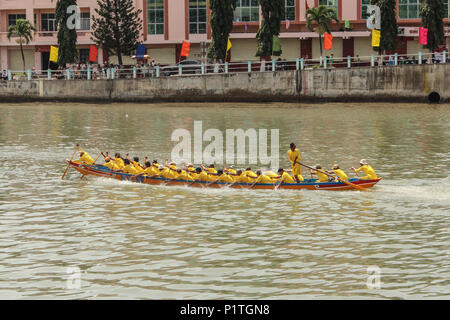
(138, 241)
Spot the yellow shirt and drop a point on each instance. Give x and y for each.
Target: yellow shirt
(300, 178)
(271, 174)
(250, 174)
(293, 154)
(243, 178)
(86, 158)
(264, 179)
(202, 176)
(138, 167)
(212, 170)
(231, 171)
(341, 174)
(150, 171)
(129, 168)
(112, 166)
(286, 178)
(368, 171)
(119, 162)
(322, 177)
(185, 176)
(225, 178)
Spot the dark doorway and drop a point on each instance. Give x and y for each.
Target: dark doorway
(306, 48)
(45, 56)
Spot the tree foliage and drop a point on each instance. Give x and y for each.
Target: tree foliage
(318, 19)
(432, 13)
(117, 28)
(67, 37)
(24, 30)
(221, 21)
(272, 12)
(389, 27)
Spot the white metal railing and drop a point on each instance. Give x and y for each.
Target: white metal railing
(93, 72)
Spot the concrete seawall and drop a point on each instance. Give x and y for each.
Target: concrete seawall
(399, 83)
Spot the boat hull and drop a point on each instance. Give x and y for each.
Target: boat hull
(104, 172)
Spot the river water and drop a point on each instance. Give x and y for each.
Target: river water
(151, 242)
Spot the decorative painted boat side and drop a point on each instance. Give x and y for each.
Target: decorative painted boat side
(104, 172)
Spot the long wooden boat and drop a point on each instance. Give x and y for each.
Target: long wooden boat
(311, 184)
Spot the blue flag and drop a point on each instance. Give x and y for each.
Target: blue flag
(141, 51)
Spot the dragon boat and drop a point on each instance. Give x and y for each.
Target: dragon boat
(311, 184)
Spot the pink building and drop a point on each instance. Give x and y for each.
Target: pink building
(168, 22)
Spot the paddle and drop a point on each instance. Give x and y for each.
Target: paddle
(346, 182)
(68, 165)
(278, 185)
(356, 172)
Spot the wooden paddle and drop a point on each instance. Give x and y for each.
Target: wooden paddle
(346, 182)
(68, 165)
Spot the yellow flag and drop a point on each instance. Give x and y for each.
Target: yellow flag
(53, 54)
(229, 45)
(376, 35)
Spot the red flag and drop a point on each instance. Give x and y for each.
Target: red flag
(328, 41)
(93, 52)
(423, 35)
(185, 49)
(306, 2)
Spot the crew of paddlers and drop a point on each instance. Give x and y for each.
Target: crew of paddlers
(229, 175)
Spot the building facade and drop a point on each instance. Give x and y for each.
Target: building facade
(166, 23)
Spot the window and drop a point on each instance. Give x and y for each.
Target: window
(197, 16)
(12, 18)
(246, 10)
(155, 16)
(85, 21)
(48, 22)
(330, 3)
(364, 5)
(289, 13)
(409, 9)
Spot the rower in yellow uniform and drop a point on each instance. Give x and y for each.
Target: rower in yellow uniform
(137, 165)
(200, 176)
(322, 177)
(284, 176)
(368, 171)
(85, 158)
(294, 158)
(111, 164)
(262, 179)
(339, 172)
(129, 168)
(119, 161)
(222, 177)
(250, 174)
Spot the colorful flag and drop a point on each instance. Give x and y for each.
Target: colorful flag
(93, 52)
(245, 24)
(140, 51)
(229, 45)
(328, 41)
(53, 54)
(306, 2)
(288, 23)
(376, 35)
(423, 35)
(185, 49)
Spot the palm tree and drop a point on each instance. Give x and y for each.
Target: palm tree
(22, 29)
(322, 16)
